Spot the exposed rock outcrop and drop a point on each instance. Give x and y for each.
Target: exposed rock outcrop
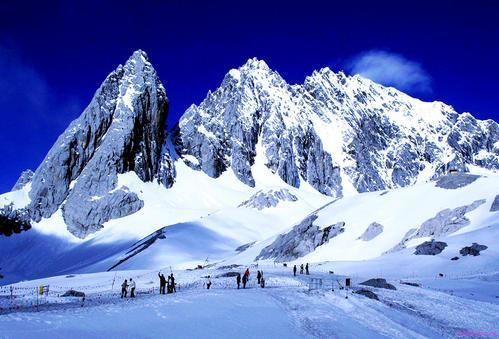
(301, 240)
(495, 204)
(473, 250)
(271, 198)
(372, 231)
(73, 293)
(430, 248)
(445, 222)
(367, 293)
(378, 283)
(455, 181)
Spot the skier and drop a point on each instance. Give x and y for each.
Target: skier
(294, 270)
(132, 288)
(258, 277)
(306, 269)
(162, 283)
(238, 280)
(174, 289)
(301, 269)
(124, 291)
(208, 283)
(245, 280)
(262, 281)
(247, 274)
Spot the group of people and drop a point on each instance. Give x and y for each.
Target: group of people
(167, 284)
(124, 288)
(245, 279)
(301, 269)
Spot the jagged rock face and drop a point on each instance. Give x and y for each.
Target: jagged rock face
(24, 179)
(13, 220)
(271, 198)
(121, 130)
(255, 105)
(304, 238)
(332, 127)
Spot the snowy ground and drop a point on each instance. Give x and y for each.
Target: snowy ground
(286, 308)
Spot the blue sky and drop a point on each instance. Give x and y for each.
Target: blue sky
(54, 54)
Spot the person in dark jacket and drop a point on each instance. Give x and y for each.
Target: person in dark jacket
(294, 270)
(245, 280)
(262, 280)
(306, 269)
(124, 289)
(162, 283)
(238, 280)
(301, 269)
(172, 281)
(258, 277)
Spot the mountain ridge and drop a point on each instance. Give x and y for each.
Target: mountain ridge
(340, 134)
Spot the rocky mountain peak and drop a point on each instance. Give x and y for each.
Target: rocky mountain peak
(121, 130)
(332, 128)
(255, 64)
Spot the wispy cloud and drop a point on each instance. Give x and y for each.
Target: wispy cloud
(25, 91)
(391, 69)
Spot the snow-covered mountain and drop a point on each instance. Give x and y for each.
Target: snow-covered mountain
(338, 133)
(241, 170)
(121, 130)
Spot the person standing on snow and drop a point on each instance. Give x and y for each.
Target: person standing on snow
(301, 269)
(245, 280)
(258, 277)
(306, 269)
(162, 283)
(262, 280)
(168, 285)
(208, 283)
(238, 280)
(132, 288)
(172, 279)
(247, 274)
(124, 290)
(294, 270)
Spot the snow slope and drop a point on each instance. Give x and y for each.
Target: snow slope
(200, 215)
(400, 212)
(285, 308)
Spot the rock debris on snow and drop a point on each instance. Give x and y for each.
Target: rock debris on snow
(430, 248)
(473, 250)
(378, 283)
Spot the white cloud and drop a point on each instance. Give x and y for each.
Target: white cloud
(25, 91)
(391, 69)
